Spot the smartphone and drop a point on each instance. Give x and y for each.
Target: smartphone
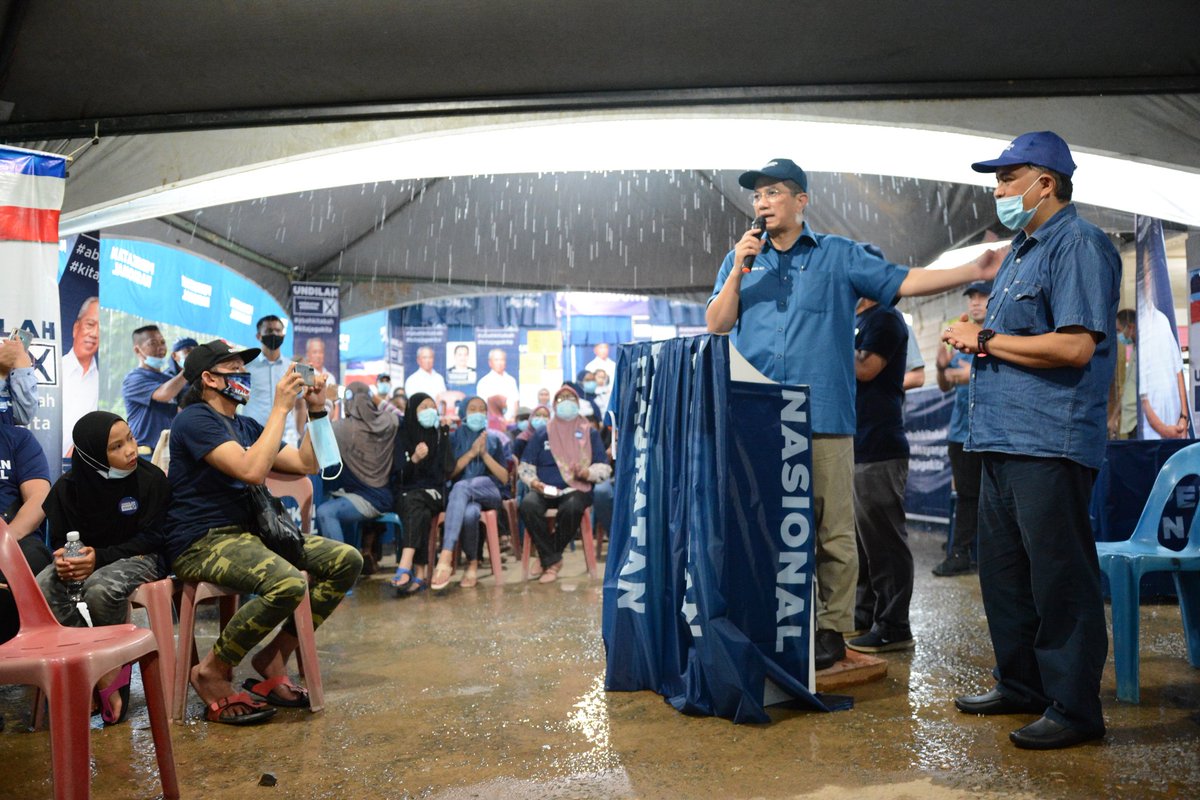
(21, 335)
(307, 372)
(550, 491)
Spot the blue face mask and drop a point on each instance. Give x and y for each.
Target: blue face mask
(428, 418)
(1011, 210)
(237, 386)
(567, 410)
(476, 421)
(523, 425)
(589, 387)
(157, 362)
(1123, 339)
(538, 423)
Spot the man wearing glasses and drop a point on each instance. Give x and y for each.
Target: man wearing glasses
(791, 314)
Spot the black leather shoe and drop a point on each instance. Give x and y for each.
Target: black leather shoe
(830, 648)
(994, 703)
(1046, 734)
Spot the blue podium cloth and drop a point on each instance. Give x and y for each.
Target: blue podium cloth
(710, 565)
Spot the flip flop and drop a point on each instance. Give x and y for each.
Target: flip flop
(415, 586)
(469, 581)
(400, 573)
(217, 710)
(120, 686)
(265, 690)
(437, 587)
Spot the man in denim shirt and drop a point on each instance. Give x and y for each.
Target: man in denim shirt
(1038, 394)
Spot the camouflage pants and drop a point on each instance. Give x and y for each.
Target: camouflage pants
(106, 591)
(239, 560)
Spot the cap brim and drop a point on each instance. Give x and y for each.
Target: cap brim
(247, 355)
(748, 179)
(997, 163)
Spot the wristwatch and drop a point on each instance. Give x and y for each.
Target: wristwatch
(985, 336)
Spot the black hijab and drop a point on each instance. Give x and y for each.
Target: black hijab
(433, 470)
(414, 432)
(119, 517)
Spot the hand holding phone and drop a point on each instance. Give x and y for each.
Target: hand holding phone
(306, 372)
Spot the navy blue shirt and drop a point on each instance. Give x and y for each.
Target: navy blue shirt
(21, 459)
(879, 403)
(537, 453)
(498, 448)
(1066, 274)
(204, 497)
(147, 418)
(796, 317)
(960, 422)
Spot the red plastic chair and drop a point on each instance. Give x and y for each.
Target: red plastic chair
(65, 664)
(491, 527)
(186, 655)
(158, 598)
(585, 531)
(297, 487)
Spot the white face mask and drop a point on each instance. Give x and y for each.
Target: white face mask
(107, 472)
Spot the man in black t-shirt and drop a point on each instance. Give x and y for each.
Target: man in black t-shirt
(880, 475)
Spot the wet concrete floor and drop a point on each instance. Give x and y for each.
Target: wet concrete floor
(498, 693)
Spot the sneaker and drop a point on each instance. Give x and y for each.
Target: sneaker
(830, 648)
(954, 565)
(875, 642)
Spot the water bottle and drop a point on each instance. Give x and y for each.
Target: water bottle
(74, 549)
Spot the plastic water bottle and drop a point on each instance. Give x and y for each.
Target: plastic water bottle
(74, 549)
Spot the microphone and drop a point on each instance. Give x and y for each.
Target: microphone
(760, 223)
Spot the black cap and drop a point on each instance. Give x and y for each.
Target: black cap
(781, 169)
(209, 354)
(983, 287)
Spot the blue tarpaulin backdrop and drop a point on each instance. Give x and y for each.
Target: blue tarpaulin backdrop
(709, 573)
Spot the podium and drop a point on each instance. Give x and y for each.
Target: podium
(709, 579)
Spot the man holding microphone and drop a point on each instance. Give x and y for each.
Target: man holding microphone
(787, 300)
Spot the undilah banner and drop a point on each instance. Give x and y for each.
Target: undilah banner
(708, 586)
(79, 305)
(31, 195)
(316, 321)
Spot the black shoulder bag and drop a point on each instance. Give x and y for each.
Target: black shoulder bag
(270, 521)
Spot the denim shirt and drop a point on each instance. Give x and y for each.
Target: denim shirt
(959, 415)
(796, 317)
(1066, 274)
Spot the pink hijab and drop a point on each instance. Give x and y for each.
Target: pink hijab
(571, 444)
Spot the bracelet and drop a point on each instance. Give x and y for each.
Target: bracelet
(317, 414)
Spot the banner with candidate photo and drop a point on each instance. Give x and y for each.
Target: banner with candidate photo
(1162, 379)
(31, 195)
(927, 424)
(79, 307)
(316, 326)
(708, 586)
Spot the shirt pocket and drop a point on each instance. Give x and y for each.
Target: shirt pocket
(1025, 313)
(813, 290)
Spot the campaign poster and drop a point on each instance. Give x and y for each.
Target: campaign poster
(425, 360)
(461, 373)
(316, 328)
(498, 362)
(1162, 380)
(79, 308)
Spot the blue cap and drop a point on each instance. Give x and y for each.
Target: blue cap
(186, 341)
(1042, 148)
(983, 287)
(782, 169)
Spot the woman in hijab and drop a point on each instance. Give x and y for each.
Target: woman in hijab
(366, 437)
(480, 477)
(537, 422)
(422, 464)
(560, 464)
(118, 503)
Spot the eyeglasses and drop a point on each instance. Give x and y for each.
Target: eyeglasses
(771, 195)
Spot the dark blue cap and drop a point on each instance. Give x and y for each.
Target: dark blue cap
(782, 169)
(983, 287)
(186, 341)
(1041, 148)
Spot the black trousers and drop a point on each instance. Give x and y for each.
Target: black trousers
(417, 509)
(1040, 579)
(571, 508)
(885, 564)
(966, 468)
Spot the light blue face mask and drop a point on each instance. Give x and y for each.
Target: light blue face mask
(325, 446)
(523, 425)
(1011, 210)
(1123, 339)
(589, 387)
(567, 410)
(428, 418)
(157, 362)
(538, 423)
(477, 421)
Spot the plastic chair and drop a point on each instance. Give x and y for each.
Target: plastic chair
(297, 487)
(585, 531)
(186, 655)
(491, 526)
(158, 598)
(1126, 562)
(65, 664)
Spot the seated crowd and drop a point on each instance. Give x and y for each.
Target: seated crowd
(137, 524)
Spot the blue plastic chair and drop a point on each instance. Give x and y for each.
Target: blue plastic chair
(1126, 562)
